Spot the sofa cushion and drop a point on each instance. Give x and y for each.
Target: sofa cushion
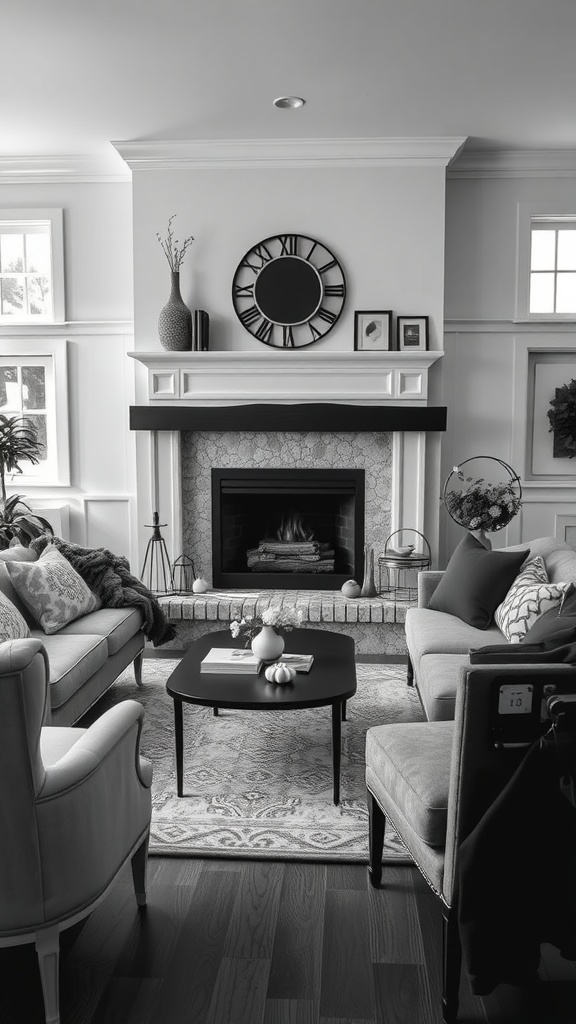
(411, 761)
(12, 624)
(429, 632)
(438, 682)
(52, 589)
(529, 597)
(558, 624)
(118, 625)
(475, 582)
(73, 660)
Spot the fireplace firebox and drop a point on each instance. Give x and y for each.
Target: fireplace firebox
(294, 529)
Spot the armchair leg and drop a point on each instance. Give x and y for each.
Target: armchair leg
(48, 952)
(410, 672)
(140, 871)
(451, 965)
(377, 825)
(138, 668)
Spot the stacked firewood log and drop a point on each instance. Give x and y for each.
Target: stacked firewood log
(291, 556)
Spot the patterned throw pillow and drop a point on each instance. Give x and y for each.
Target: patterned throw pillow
(52, 589)
(529, 597)
(12, 625)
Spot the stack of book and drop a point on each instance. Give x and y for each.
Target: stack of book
(235, 661)
(301, 662)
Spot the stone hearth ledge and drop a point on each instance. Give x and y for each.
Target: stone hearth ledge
(195, 615)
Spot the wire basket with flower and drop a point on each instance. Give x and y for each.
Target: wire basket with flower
(478, 504)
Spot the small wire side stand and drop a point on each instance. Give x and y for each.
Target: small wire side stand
(398, 567)
(156, 572)
(183, 574)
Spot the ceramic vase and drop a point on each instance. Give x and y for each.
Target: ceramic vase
(175, 320)
(368, 586)
(268, 644)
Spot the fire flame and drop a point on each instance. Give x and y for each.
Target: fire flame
(292, 529)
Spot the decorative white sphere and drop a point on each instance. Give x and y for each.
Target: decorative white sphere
(351, 589)
(199, 586)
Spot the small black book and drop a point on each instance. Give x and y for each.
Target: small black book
(201, 330)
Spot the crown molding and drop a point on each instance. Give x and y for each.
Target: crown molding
(514, 163)
(47, 170)
(194, 154)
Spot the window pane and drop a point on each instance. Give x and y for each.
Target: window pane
(543, 246)
(39, 424)
(567, 250)
(38, 295)
(9, 389)
(38, 253)
(11, 253)
(541, 293)
(34, 387)
(566, 293)
(11, 295)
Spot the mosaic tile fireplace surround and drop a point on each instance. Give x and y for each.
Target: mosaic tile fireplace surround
(194, 431)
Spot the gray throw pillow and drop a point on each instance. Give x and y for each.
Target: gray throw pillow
(476, 581)
(52, 589)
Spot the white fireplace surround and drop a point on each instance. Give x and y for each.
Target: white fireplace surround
(220, 379)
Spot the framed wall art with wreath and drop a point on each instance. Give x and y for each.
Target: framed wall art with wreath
(562, 416)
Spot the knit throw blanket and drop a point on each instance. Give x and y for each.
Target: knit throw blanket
(109, 576)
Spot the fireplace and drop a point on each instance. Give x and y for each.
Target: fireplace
(294, 529)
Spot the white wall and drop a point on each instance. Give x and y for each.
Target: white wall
(385, 225)
(484, 347)
(99, 332)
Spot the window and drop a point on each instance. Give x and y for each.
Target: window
(553, 266)
(33, 386)
(31, 267)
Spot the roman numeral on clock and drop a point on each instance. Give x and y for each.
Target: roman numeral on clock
(288, 245)
(334, 289)
(244, 291)
(261, 254)
(264, 332)
(326, 315)
(327, 266)
(250, 315)
(287, 336)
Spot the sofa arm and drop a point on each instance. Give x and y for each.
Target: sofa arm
(428, 580)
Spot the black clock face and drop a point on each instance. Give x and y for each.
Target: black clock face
(288, 291)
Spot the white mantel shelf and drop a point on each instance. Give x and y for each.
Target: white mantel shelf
(280, 376)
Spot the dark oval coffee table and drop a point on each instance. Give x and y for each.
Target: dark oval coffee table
(330, 681)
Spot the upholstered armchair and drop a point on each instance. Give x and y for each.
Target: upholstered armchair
(438, 782)
(75, 806)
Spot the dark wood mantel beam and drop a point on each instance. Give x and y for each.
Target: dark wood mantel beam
(303, 416)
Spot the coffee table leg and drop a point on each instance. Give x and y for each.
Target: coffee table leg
(336, 743)
(178, 736)
(343, 710)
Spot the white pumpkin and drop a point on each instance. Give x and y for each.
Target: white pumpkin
(351, 589)
(199, 586)
(280, 674)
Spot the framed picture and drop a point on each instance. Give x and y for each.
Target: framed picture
(372, 330)
(412, 333)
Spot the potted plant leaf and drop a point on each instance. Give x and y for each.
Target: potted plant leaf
(18, 443)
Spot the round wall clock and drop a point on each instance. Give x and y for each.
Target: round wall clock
(288, 291)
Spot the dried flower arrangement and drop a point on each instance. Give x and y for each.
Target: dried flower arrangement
(562, 418)
(283, 620)
(479, 505)
(173, 251)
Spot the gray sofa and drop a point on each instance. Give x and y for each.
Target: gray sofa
(439, 643)
(86, 656)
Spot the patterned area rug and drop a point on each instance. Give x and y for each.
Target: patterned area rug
(260, 784)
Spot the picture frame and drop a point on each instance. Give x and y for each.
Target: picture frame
(372, 330)
(412, 333)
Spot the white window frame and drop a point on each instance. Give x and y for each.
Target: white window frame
(54, 217)
(527, 214)
(53, 354)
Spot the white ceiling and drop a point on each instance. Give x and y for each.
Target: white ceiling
(76, 74)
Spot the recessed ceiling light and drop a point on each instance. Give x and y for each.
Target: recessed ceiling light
(289, 102)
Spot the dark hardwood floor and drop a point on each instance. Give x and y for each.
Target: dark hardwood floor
(267, 942)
